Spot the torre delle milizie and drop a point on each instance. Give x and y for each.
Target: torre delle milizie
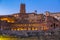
(29, 21)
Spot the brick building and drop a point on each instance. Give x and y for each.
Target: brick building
(29, 21)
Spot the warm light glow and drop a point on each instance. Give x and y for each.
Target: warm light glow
(18, 29)
(36, 29)
(7, 19)
(21, 29)
(16, 15)
(33, 28)
(45, 28)
(29, 28)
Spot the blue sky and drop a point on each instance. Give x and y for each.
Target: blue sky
(13, 6)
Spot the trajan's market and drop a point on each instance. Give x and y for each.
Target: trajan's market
(29, 21)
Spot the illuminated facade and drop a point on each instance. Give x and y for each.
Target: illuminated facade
(28, 21)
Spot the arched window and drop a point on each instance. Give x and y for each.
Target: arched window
(54, 25)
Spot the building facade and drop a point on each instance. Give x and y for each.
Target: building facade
(28, 21)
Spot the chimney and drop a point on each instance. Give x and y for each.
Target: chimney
(22, 8)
